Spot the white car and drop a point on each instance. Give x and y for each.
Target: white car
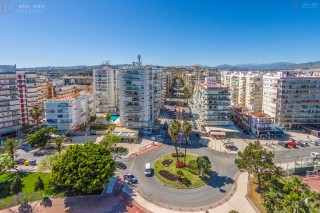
(315, 154)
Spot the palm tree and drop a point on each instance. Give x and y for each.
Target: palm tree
(186, 129)
(108, 117)
(58, 142)
(36, 114)
(11, 146)
(174, 130)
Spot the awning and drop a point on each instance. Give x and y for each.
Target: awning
(226, 129)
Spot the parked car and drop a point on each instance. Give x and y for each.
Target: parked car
(20, 161)
(131, 178)
(197, 135)
(302, 143)
(315, 154)
(39, 153)
(121, 165)
(287, 144)
(246, 132)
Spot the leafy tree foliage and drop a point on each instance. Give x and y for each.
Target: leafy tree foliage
(41, 137)
(6, 162)
(110, 141)
(11, 146)
(16, 185)
(204, 165)
(107, 117)
(39, 185)
(86, 168)
(93, 118)
(255, 160)
(58, 142)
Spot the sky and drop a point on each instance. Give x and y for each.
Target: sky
(164, 32)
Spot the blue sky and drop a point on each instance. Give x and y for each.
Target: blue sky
(165, 32)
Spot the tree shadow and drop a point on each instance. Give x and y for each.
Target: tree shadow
(220, 181)
(98, 203)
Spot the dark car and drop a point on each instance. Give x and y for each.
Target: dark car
(20, 161)
(131, 178)
(121, 165)
(39, 153)
(197, 135)
(246, 132)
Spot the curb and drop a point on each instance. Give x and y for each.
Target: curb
(196, 209)
(249, 200)
(135, 154)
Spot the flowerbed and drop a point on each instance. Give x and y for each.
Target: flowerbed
(167, 175)
(167, 162)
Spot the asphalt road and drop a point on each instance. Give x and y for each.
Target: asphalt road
(289, 154)
(221, 184)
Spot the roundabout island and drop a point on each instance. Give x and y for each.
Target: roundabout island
(182, 172)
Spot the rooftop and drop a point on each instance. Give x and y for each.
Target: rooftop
(260, 115)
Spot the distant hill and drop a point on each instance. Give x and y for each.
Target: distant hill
(244, 67)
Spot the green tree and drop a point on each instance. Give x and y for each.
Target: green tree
(39, 185)
(86, 168)
(174, 130)
(204, 164)
(41, 137)
(6, 162)
(186, 129)
(11, 146)
(36, 113)
(58, 142)
(107, 117)
(110, 141)
(186, 94)
(255, 160)
(16, 185)
(93, 118)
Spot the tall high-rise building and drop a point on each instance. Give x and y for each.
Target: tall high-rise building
(212, 100)
(292, 100)
(9, 100)
(254, 91)
(106, 89)
(140, 96)
(30, 94)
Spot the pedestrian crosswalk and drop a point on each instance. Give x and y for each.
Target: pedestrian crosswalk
(190, 142)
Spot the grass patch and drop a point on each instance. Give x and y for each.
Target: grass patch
(7, 199)
(99, 127)
(191, 180)
(254, 196)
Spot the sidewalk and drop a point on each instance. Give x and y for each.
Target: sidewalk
(237, 202)
(217, 145)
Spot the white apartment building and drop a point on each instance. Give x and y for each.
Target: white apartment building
(9, 100)
(254, 91)
(294, 100)
(70, 111)
(30, 94)
(140, 96)
(213, 102)
(166, 84)
(106, 89)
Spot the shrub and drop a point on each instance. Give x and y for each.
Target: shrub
(180, 154)
(180, 164)
(16, 185)
(167, 175)
(193, 167)
(167, 162)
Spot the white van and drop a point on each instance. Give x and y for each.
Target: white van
(148, 170)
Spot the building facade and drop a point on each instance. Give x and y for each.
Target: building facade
(9, 100)
(140, 96)
(30, 95)
(70, 111)
(106, 89)
(213, 102)
(293, 100)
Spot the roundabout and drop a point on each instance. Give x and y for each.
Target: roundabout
(214, 191)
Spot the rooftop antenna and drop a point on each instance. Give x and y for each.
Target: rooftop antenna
(139, 60)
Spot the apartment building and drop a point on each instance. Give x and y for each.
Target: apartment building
(30, 95)
(70, 111)
(213, 102)
(293, 100)
(106, 89)
(254, 91)
(140, 96)
(166, 84)
(9, 100)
